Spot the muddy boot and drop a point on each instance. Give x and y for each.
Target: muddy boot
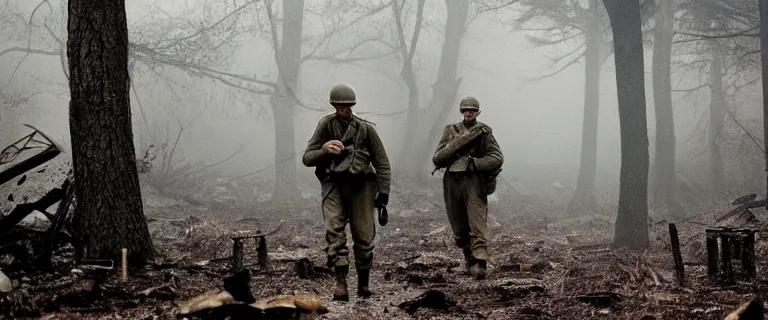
(479, 269)
(340, 292)
(363, 276)
(469, 261)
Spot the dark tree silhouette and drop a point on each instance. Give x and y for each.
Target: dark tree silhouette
(108, 214)
(631, 222)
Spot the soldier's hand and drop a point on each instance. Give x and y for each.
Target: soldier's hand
(333, 146)
(482, 129)
(382, 199)
(383, 216)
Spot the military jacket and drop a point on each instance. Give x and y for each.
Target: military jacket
(363, 150)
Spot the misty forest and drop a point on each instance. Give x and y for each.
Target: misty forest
(383, 159)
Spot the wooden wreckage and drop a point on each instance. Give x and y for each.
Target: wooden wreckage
(16, 159)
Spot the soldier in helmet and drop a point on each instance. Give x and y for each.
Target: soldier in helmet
(353, 167)
(473, 160)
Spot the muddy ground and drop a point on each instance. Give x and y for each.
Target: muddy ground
(543, 266)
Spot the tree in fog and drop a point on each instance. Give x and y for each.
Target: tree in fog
(566, 22)
(407, 50)
(287, 50)
(632, 219)
(425, 125)
(664, 178)
(109, 214)
(724, 39)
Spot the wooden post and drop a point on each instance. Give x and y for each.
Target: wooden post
(237, 254)
(124, 273)
(679, 268)
(262, 255)
(748, 255)
(727, 267)
(712, 253)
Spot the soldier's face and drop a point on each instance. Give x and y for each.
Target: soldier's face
(469, 114)
(344, 110)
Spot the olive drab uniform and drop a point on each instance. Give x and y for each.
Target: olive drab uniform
(349, 185)
(350, 182)
(472, 159)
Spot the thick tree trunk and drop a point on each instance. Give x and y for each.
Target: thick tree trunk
(665, 181)
(632, 219)
(717, 117)
(445, 89)
(583, 200)
(108, 214)
(284, 101)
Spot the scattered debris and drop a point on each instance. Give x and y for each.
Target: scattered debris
(600, 299)
(261, 248)
(750, 310)
(724, 245)
(305, 269)
(10, 153)
(236, 302)
(509, 291)
(5, 283)
(433, 299)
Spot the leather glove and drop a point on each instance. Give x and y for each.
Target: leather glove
(383, 216)
(333, 146)
(382, 199)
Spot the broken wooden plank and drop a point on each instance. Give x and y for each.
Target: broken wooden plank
(677, 256)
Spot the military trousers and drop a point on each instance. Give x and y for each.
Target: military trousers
(467, 207)
(349, 199)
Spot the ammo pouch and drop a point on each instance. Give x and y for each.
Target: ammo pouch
(489, 181)
(355, 161)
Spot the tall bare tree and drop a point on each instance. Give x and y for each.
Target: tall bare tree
(717, 109)
(724, 36)
(430, 120)
(570, 22)
(407, 52)
(287, 49)
(109, 214)
(665, 182)
(632, 218)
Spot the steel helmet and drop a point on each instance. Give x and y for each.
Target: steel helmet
(342, 93)
(469, 102)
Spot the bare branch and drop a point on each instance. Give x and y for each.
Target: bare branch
(213, 25)
(216, 74)
(400, 33)
(575, 60)
(416, 29)
(29, 51)
(701, 36)
(488, 8)
(330, 34)
(538, 41)
(273, 29)
(706, 85)
(29, 37)
(62, 50)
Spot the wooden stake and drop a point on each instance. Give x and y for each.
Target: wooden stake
(676, 255)
(124, 275)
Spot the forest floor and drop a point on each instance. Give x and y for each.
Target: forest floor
(544, 265)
